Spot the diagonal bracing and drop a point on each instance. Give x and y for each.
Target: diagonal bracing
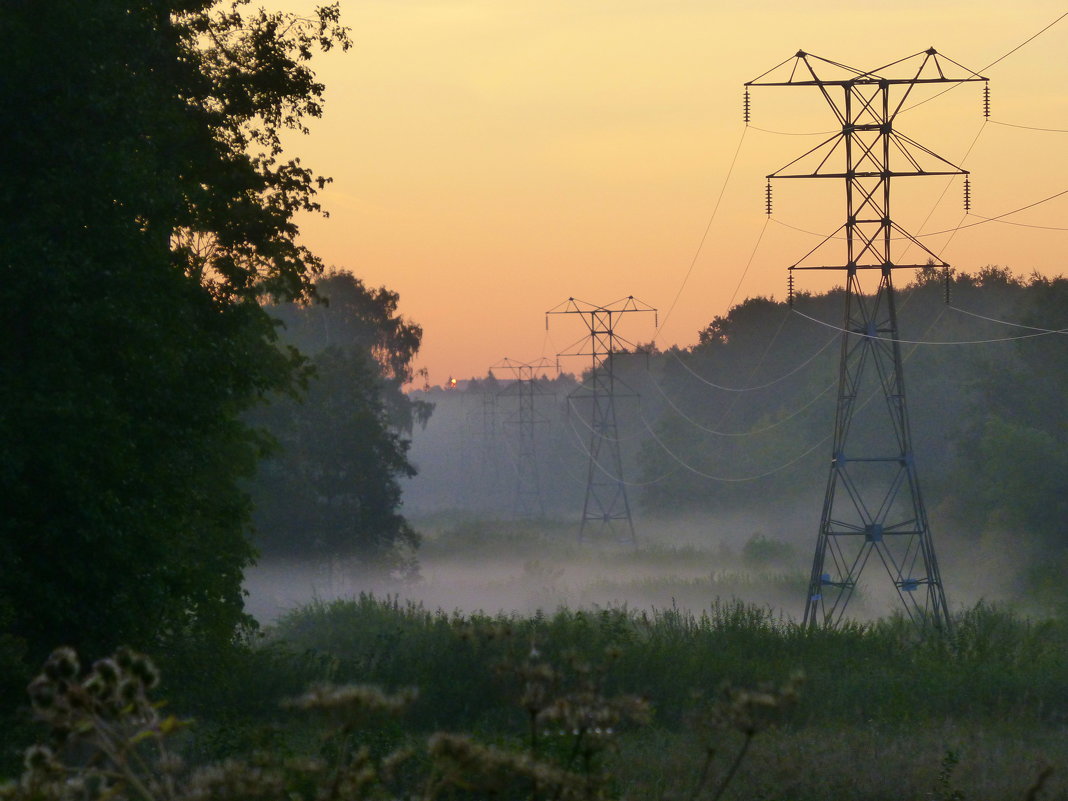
(606, 508)
(524, 388)
(873, 510)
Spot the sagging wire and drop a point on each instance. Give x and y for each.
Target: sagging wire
(1042, 333)
(1022, 225)
(606, 473)
(982, 221)
(755, 387)
(991, 64)
(727, 479)
(791, 133)
(751, 432)
(723, 479)
(1011, 324)
(704, 236)
(1030, 127)
(594, 431)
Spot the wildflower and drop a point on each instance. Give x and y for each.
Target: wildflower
(62, 665)
(107, 670)
(38, 758)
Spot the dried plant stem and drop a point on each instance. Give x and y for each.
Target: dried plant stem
(725, 782)
(706, 769)
(1036, 788)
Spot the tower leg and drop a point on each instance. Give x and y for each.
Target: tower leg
(873, 506)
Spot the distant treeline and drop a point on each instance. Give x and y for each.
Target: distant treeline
(743, 419)
(984, 397)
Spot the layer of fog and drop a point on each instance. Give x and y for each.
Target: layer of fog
(686, 563)
(477, 557)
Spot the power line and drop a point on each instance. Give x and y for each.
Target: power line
(726, 479)
(781, 378)
(1006, 322)
(935, 205)
(748, 264)
(1009, 213)
(760, 363)
(723, 479)
(1029, 127)
(619, 479)
(1043, 332)
(992, 63)
(1025, 42)
(1020, 224)
(751, 432)
(982, 221)
(594, 431)
(789, 133)
(704, 236)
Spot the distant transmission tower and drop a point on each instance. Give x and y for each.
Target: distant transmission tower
(483, 424)
(873, 504)
(528, 500)
(606, 506)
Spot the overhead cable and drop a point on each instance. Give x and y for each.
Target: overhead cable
(704, 236)
(783, 377)
(982, 221)
(675, 457)
(1030, 127)
(1006, 322)
(597, 464)
(1042, 333)
(1020, 224)
(727, 479)
(594, 431)
(789, 133)
(992, 63)
(750, 432)
(749, 263)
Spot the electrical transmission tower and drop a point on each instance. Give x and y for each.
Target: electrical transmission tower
(528, 501)
(873, 504)
(606, 505)
(482, 422)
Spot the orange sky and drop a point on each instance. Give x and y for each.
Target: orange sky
(493, 157)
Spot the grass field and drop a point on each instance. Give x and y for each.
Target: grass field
(698, 634)
(886, 711)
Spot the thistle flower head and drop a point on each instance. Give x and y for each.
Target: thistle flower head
(62, 665)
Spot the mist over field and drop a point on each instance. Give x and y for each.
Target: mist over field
(501, 534)
(685, 563)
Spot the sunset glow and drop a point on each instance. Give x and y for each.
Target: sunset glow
(492, 159)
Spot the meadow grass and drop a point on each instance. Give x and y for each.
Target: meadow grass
(886, 710)
(882, 705)
(992, 665)
(994, 761)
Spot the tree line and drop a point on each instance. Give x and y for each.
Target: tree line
(987, 418)
(176, 365)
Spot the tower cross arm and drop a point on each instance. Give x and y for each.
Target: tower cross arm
(926, 67)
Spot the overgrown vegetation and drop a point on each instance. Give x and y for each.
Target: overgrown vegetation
(538, 707)
(107, 739)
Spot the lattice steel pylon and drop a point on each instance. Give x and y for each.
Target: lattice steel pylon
(483, 425)
(606, 504)
(524, 387)
(873, 504)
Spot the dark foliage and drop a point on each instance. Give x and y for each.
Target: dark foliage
(145, 212)
(330, 488)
